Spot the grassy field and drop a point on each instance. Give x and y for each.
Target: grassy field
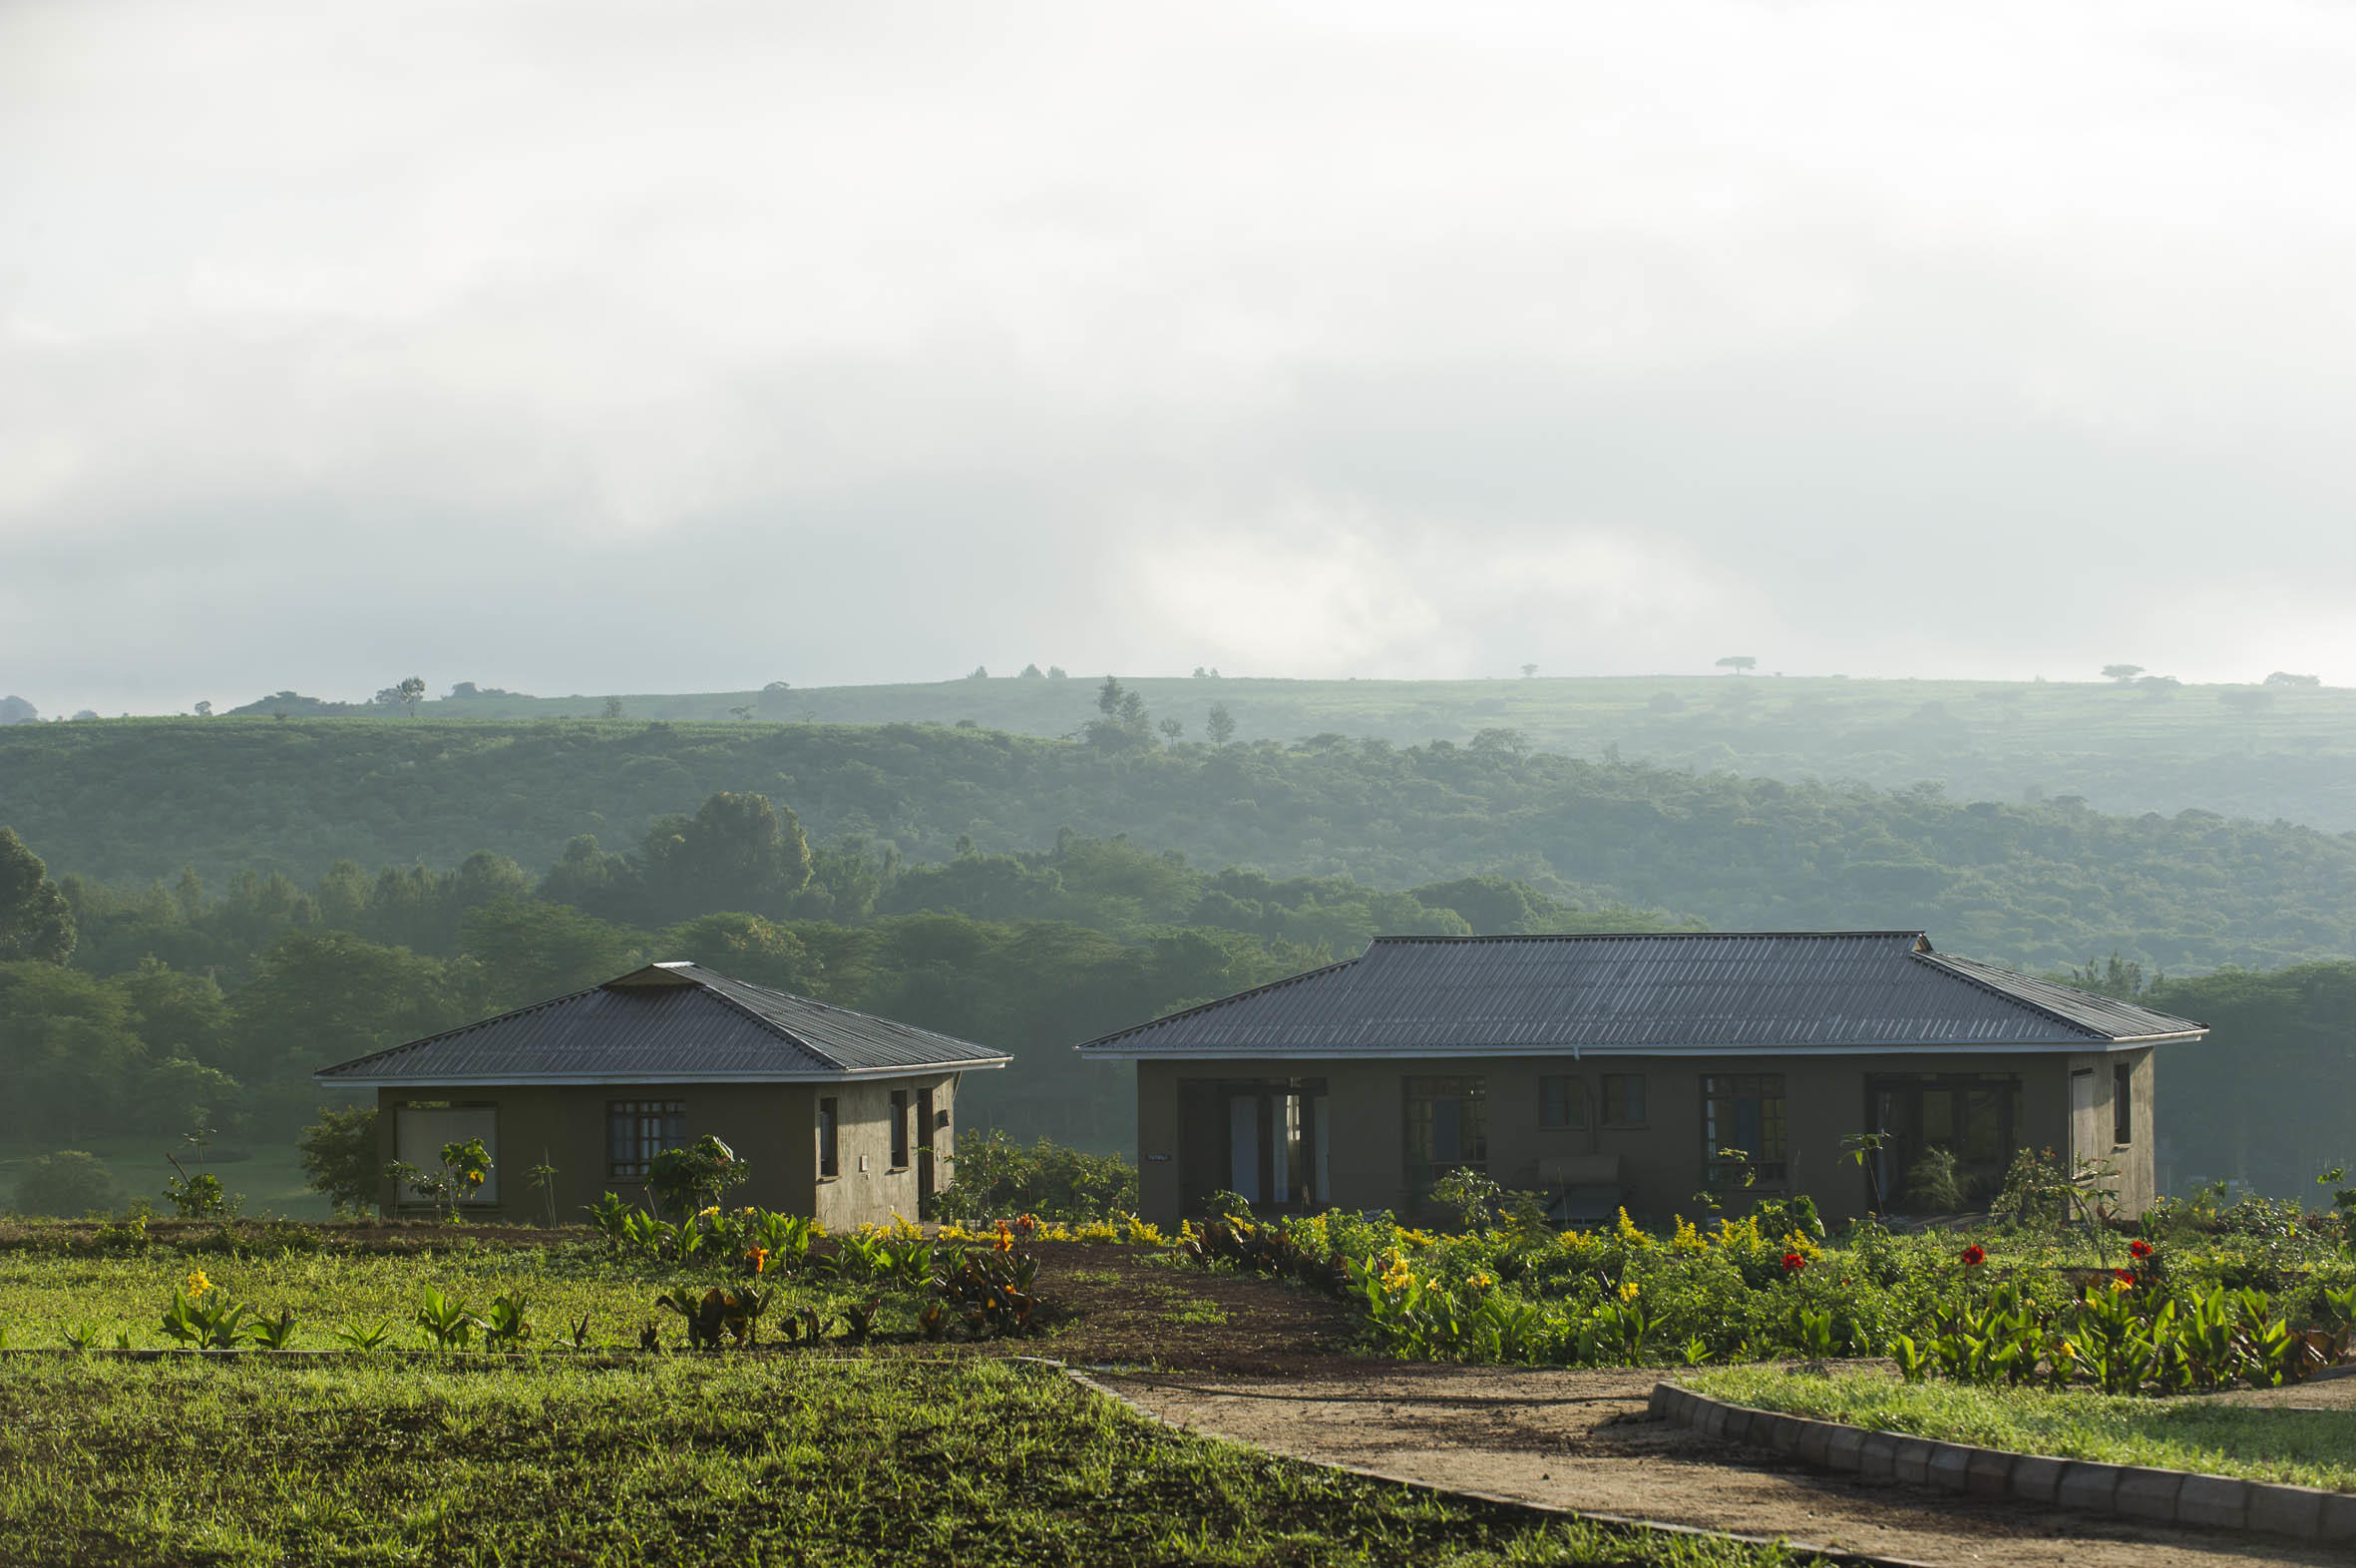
(2257, 1442)
(729, 1459)
(270, 1181)
(896, 1452)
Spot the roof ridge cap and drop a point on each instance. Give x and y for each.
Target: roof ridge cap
(1950, 963)
(1221, 1001)
(460, 1029)
(771, 1024)
(1638, 935)
(831, 1006)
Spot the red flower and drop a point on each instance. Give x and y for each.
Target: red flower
(1794, 1263)
(1974, 1256)
(2123, 1277)
(2141, 1249)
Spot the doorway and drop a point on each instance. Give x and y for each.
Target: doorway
(1270, 1145)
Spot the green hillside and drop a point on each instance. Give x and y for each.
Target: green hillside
(2039, 884)
(2247, 751)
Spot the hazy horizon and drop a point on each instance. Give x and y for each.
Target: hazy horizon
(603, 348)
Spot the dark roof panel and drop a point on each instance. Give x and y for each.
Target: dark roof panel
(1791, 991)
(669, 1021)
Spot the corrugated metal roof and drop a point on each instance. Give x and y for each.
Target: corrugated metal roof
(677, 1021)
(1784, 991)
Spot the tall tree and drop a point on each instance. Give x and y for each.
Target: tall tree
(1220, 726)
(737, 852)
(35, 919)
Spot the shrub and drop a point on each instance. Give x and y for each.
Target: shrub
(2036, 1190)
(339, 1157)
(996, 1176)
(71, 1183)
(1934, 1183)
(683, 1181)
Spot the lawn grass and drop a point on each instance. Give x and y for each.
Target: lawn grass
(2256, 1442)
(270, 1180)
(729, 1457)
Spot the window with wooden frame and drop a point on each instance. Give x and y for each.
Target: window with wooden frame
(900, 1129)
(1743, 1110)
(638, 1130)
(1623, 1100)
(1562, 1101)
(1447, 1126)
(2122, 1102)
(829, 1160)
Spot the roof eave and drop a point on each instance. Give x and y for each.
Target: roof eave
(536, 1079)
(1120, 1052)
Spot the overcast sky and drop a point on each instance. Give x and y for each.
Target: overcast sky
(587, 347)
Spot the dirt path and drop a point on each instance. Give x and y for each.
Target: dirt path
(1581, 1439)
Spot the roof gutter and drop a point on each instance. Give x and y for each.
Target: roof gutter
(525, 1080)
(1117, 1052)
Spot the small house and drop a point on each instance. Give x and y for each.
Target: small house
(838, 1115)
(1642, 1070)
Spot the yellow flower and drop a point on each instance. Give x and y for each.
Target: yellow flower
(198, 1285)
(1480, 1282)
(474, 1178)
(1687, 1238)
(1629, 1290)
(708, 1213)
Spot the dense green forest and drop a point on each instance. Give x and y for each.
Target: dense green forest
(2270, 748)
(179, 1005)
(2035, 884)
(153, 1010)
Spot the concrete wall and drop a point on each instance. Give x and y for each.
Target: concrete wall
(772, 1126)
(1660, 1161)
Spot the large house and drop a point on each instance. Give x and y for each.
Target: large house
(1638, 1070)
(837, 1114)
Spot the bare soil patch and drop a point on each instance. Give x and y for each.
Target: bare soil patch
(1113, 1307)
(1581, 1439)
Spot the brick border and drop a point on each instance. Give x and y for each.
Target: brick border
(2128, 1491)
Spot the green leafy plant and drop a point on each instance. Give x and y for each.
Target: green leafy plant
(80, 1336)
(682, 1181)
(275, 1334)
(449, 1323)
(207, 1320)
(460, 1177)
(354, 1337)
(504, 1324)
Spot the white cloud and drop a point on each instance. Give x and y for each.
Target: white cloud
(625, 346)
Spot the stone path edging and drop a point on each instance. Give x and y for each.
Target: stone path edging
(2129, 1491)
(1838, 1556)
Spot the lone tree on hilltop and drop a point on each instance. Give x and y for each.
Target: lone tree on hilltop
(1737, 663)
(2122, 674)
(410, 693)
(1527, 671)
(2283, 678)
